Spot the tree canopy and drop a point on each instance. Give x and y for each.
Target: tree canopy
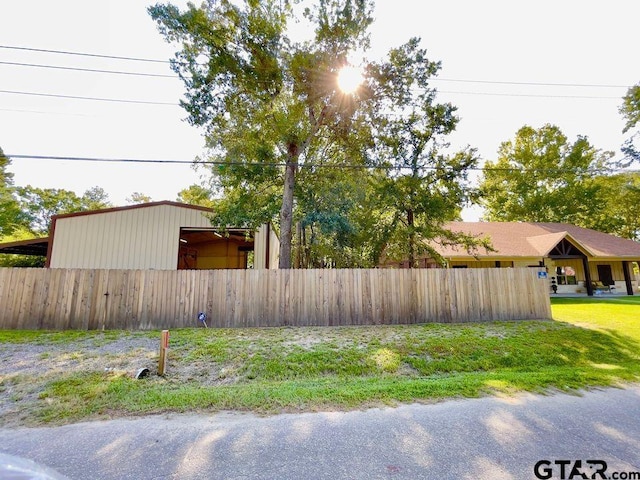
(540, 176)
(10, 215)
(630, 110)
(423, 187)
(196, 195)
(138, 197)
(285, 137)
(40, 204)
(619, 204)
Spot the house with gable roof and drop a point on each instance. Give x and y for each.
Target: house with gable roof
(576, 259)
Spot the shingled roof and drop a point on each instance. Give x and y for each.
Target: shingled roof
(529, 239)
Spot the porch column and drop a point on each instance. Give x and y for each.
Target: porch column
(587, 276)
(627, 277)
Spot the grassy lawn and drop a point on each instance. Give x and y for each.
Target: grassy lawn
(618, 315)
(592, 342)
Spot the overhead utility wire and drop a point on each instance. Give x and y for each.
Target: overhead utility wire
(96, 55)
(20, 110)
(141, 74)
(538, 84)
(92, 70)
(120, 100)
(443, 79)
(97, 99)
(264, 164)
(531, 95)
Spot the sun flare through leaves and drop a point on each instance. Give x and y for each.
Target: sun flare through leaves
(350, 78)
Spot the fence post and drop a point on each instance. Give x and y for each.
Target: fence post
(164, 346)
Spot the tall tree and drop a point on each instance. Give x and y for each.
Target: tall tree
(10, 214)
(95, 198)
(197, 195)
(619, 204)
(331, 226)
(263, 98)
(138, 197)
(40, 204)
(541, 177)
(630, 110)
(424, 187)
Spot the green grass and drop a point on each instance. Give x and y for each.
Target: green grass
(618, 315)
(592, 342)
(41, 337)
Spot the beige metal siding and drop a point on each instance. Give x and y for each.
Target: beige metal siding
(137, 238)
(274, 249)
(260, 248)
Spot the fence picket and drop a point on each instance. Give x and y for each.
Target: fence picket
(59, 299)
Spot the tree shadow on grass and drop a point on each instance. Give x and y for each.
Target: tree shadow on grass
(581, 358)
(608, 299)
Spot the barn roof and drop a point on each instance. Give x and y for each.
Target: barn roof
(132, 207)
(33, 246)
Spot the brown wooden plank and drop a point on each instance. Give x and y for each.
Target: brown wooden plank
(9, 305)
(59, 298)
(13, 292)
(5, 276)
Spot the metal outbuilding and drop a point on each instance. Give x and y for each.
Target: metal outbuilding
(156, 236)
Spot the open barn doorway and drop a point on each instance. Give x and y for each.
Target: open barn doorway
(208, 249)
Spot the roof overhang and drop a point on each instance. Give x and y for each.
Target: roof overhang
(491, 258)
(34, 246)
(614, 259)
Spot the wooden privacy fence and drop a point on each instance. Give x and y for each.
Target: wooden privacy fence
(151, 299)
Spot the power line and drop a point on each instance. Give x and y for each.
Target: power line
(97, 99)
(157, 75)
(531, 95)
(325, 165)
(459, 80)
(81, 54)
(115, 160)
(144, 102)
(91, 70)
(19, 110)
(538, 84)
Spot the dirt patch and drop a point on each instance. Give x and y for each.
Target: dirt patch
(25, 368)
(86, 355)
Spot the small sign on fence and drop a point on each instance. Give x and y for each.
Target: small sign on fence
(542, 275)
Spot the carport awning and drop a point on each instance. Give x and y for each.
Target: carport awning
(34, 246)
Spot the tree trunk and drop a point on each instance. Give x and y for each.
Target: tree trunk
(294, 150)
(298, 255)
(412, 239)
(286, 212)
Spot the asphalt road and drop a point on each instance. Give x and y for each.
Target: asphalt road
(488, 438)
